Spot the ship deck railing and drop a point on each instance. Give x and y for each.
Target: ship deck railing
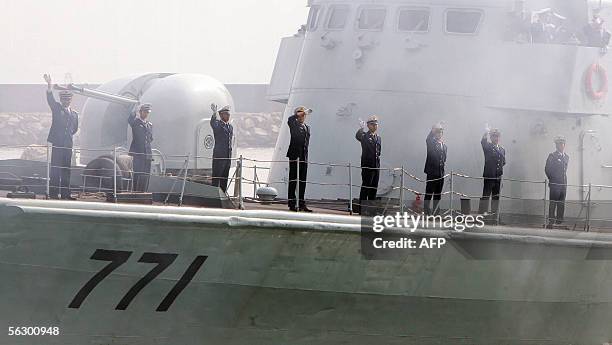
(405, 194)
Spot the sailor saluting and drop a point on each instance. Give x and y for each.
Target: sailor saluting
(556, 172)
(65, 123)
(298, 152)
(371, 146)
(495, 159)
(222, 153)
(434, 167)
(140, 149)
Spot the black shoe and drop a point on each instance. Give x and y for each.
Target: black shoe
(293, 209)
(305, 209)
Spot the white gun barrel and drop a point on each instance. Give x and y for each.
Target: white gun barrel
(101, 95)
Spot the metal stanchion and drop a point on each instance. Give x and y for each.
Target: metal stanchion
(588, 222)
(401, 198)
(115, 174)
(240, 196)
(450, 195)
(545, 190)
(184, 181)
(234, 178)
(350, 178)
(255, 181)
(48, 169)
(297, 185)
(499, 201)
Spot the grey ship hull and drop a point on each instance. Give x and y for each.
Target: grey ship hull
(279, 278)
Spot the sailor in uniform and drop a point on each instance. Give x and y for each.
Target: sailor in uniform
(222, 153)
(495, 159)
(140, 149)
(65, 123)
(556, 172)
(370, 159)
(595, 34)
(298, 152)
(434, 168)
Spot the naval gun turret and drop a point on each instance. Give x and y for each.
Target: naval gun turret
(181, 114)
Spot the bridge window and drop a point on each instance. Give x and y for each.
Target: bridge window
(371, 19)
(313, 18)
(338, 15)
(463, 21)
(413, 20)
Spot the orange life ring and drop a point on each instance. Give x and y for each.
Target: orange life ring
(603, 76)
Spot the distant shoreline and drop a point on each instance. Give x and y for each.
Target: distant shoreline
(251, 129)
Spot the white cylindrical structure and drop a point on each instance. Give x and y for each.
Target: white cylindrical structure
(180, 117)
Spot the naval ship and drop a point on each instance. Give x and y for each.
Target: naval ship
(107, 273)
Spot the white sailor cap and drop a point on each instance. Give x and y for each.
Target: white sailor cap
(145, 107)
(225, 109)
(65, 94)
(560, 139)
(307, 111)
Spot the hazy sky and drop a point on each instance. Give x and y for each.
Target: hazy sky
(235, 41)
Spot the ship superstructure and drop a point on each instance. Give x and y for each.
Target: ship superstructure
(467, 63)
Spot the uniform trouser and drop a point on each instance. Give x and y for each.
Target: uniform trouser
(220, 172)
(142, 171)
(59, 179)
(556, 209)
(293, 167)
(490, 189)
(369, 183)
(433, 189)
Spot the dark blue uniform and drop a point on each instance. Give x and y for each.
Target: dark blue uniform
(140, 150)
(298, 150)
(593, 37)
(556, 172)
(65, 123)
(222, 153)
(371, 146)
(434, 169)
(495, 159)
